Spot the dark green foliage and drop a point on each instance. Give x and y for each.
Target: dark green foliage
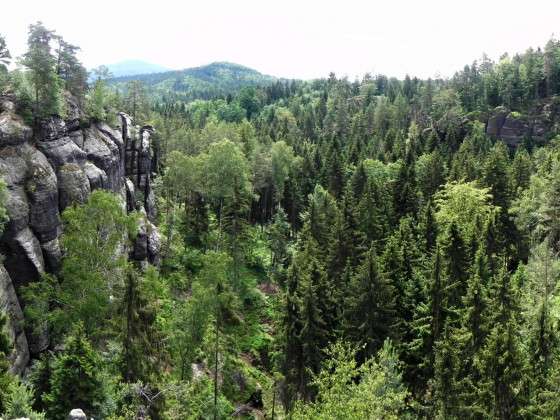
(75, 380)
(5, 377)
(45, 82)
(369, 307)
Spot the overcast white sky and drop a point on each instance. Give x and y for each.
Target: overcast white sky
(291, 38)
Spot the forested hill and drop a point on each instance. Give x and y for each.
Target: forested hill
(205, 82)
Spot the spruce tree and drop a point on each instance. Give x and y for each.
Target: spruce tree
(76, 378)
(456, 264)
(369, 309)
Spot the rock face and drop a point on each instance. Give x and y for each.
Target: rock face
(542, 122)
(45, 173)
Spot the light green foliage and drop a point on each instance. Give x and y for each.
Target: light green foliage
(226, 172)
(466, 205)
(93, 269)
(269, 197)
(19, 403)
(194, 400)
(4, 53)
(378, 393)
(538, 207)
(189, 322)
(283, 160)
(101, 102)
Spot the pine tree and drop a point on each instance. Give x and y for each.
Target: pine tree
(47, 85)
(69, 69)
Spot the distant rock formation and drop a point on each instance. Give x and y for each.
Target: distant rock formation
(514, 128)
(49, 170)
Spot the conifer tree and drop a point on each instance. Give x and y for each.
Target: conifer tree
(405, 190)
(47, 85)
(76, 377)
(369, 315)
(456, 263)
(501, 361)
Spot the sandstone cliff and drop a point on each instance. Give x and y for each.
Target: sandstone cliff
(46, 171)
(537, 126)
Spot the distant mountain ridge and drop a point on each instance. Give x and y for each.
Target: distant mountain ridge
(134, 67)
(203, 82)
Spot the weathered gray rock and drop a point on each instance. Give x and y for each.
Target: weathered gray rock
(52, 255)
(9, 305)
(73, 185)
(140, 248)
(62, 151)
(97, 177)
(154, 244)
(104, 154)
(130, 196)
(496, 121)
(538, 125)
(52, 128)
(12, 130)
(42, 193)
(25, 258)
(74, 113)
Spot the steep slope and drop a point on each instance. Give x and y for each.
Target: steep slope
(49, 170)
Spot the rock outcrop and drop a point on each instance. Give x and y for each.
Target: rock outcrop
(49, 170)
(541, 123)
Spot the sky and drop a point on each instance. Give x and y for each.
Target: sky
(291, 38)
